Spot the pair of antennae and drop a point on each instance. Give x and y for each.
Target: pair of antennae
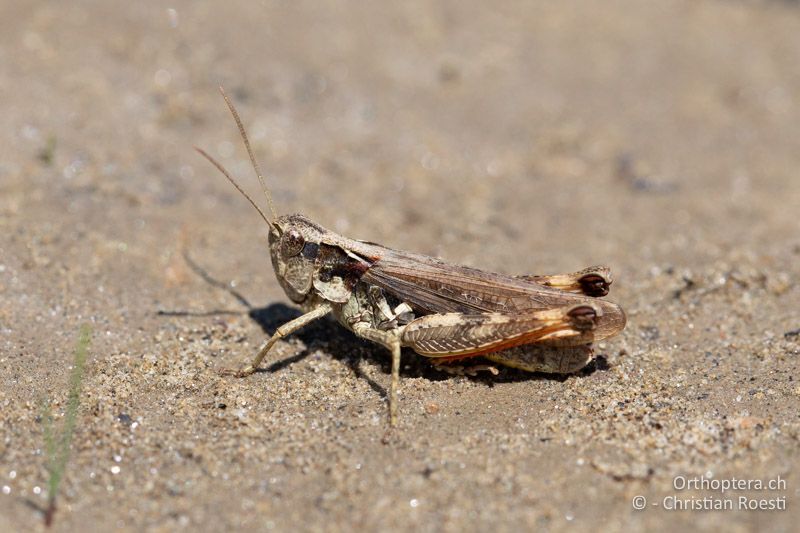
(252, 160)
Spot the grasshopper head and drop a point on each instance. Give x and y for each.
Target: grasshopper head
(293, 245)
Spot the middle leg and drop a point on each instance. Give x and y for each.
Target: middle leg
(390, 340)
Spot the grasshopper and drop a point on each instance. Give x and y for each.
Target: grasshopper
(440, 310)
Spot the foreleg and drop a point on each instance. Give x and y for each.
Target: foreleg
(281, 332)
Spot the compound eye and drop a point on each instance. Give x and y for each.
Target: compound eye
(292, 243)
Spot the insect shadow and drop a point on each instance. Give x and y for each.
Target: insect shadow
(338, 343)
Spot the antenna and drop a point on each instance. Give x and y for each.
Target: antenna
(225, 173)
(249, 152)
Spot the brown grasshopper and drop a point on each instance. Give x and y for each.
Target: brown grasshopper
(440, 310)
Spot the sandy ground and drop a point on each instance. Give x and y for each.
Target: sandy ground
(661, 138)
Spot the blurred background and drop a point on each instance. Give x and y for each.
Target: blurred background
(660, 138)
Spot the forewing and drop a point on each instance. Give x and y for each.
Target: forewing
(435, 286)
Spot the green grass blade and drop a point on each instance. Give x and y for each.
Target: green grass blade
(58, 448)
